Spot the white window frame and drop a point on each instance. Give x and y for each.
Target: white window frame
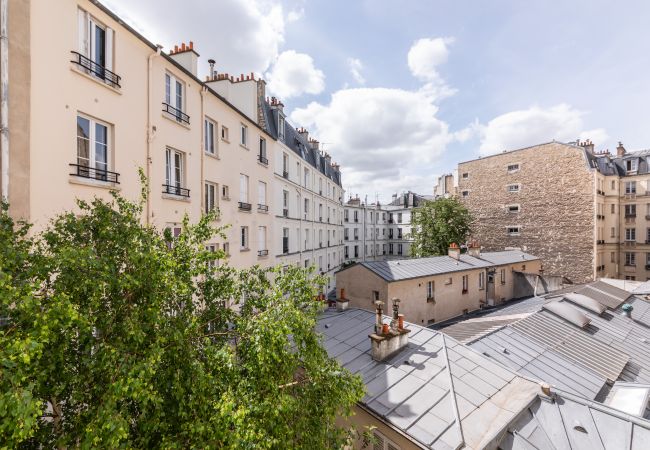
(224, 133)
(513, 167)
(513, 188)
(174, 175)
(243, 138)
(261, 193)
(430, 290)
(513, 230)
(243, 238)
(92, 143)
(243, 188)
(86, 30)
(261, 237)
(225, 192)
(630, 234)
(210, 197)
(174, 96)
(210, 142)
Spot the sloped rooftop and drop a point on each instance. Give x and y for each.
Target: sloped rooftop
(404, 269)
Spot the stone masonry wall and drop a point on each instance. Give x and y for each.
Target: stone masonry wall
(556, 205)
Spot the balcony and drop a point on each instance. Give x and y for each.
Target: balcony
(262, 208)
(346, 219)
(346, 238)
(96, 70)
(94, 174)
(175, 190)
(630, 243)
(630, 216)
(285, 212)
(285, 174)
(600, 241)
(262, 253)
(243, 206)
(177, 113)
(263, 160)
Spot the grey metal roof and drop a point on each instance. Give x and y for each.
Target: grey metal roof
(569, 422)
(528, 357)
(643, 288)
(470, 330)
(603, 297)
(403, 269)
(418, 390)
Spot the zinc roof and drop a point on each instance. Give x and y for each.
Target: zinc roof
(404, 269)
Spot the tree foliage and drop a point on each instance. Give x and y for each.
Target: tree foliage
(117, 335)
(438, 223)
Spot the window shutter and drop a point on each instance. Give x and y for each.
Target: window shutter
(109, 48)
(261, 238)
(379, 445)
(83, 32)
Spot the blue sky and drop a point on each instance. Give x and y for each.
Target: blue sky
(400, 92)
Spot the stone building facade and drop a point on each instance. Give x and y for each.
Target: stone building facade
(541, 199)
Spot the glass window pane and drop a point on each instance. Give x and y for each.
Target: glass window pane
(168, 88)
(100, 46)
(83, 141)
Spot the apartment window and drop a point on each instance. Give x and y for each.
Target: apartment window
(210, 200)
(481, 280)
(285, 203)
(346, 253)
(631, 165)
(613, 184)
(399, 249)
(96, 49)
(243, 139)
(465, 193)
(390, 249)
(647, 259)
(320, 186)
(356, 216)
(262, 152)
(224, 133)
(513, 208)
(320, 238)
(513, 231)
(209, 145)
(243, 188)
(613, 208)
(320, 212)
(212, 248)
(449, 281)
(612, 256)
(465, 283)
(399, 233)
(630, 234)
(285, 240)
(243, 240)
(285, 165)
(281, 127)
(430, 289)
(356, 251)
(175, 98)
(630, 187)
(225, 192)
(93, 150)
(226, 248)
(261, 241)
(174, 173)
(306, 208)
(613, 232)
(630, 210)
(261, 195)
(513, 168)
(306, 177)
(630, 259)
(513, 188)
(465, 175)
(630, 277)
(399, 217)
(356, 234)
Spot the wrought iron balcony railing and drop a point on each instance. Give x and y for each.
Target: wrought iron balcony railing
(263, 160)
(95, 174)
(177, 113)
(263, 208)
(245, 206)
(97, 70)
(175, 190)
(262, 253)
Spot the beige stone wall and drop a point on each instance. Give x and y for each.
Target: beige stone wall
(556, 201)
(361, 420)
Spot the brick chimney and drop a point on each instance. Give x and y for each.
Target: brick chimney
(454, 251)
(186, 57)
(620, 150)
(587, 145)
(388, 340)
(474, 249)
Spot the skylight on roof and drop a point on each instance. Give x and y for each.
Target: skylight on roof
(629, 398)
(586, 302)
(568, 313)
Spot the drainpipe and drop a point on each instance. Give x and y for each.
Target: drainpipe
(4, 101)
(150, 133)
(204, 89)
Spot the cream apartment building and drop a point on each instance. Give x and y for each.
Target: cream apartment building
(376, 232)
(586, 214)
(90, 101)
(438, 288)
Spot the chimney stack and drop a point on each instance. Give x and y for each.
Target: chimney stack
(454, 251)
(186, 56)
(620, 150)
(387, 340)
(212, 72)
(474, 249)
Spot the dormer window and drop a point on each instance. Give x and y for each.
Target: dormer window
(281, 127)
(631, 165)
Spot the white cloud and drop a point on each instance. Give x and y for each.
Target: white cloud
(356, 66)
(385, 139)
(426, 55)
(295, 15)
(241, 35)
(294, 74)
(532, 126)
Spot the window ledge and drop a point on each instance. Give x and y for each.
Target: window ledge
(244, 147)
(244, 249)
(210, 155)
(225, 198)
(225, 140)
(262, 164)
(178, 198)
(172, 118)
(94, 183)
(75, 69)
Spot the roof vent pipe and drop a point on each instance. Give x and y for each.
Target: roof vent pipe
(627, 310)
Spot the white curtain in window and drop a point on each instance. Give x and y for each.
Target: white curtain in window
(261, 238)
(243, 188)
(261, 193)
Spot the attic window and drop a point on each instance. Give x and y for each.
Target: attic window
(631, 165)
(281, 127)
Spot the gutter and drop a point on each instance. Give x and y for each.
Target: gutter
(150, 133)
(4, 101)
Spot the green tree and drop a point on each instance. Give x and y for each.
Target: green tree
(116, 335)
(438, 223)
